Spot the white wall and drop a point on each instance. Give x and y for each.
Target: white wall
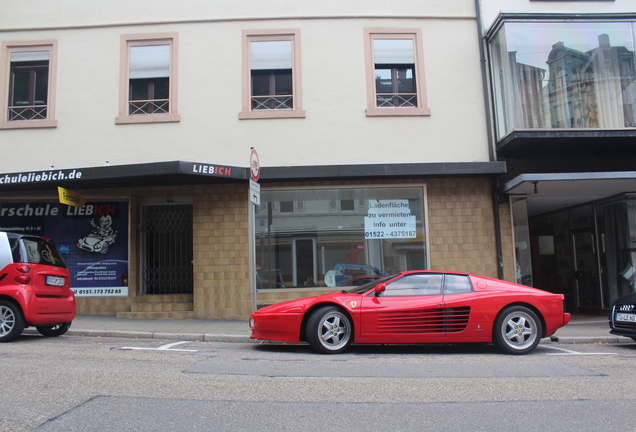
(335, 131)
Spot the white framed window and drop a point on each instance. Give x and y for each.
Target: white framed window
(148, 79)
(396, 84)
(28, 76)
(271, 75)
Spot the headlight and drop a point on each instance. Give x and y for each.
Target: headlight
(251, 322)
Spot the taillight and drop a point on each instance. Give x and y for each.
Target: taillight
(24, 278)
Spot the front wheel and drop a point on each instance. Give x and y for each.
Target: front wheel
(517, 330)
(329, 330)
(54, 330)
(11, 322)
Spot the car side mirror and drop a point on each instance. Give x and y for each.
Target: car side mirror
(379, 289)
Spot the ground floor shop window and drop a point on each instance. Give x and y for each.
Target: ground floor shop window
(338, 237)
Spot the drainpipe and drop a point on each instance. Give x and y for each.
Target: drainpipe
(491, 149)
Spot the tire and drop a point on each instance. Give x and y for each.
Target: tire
(517, 330)
(54, 330)
(329, 330)
(11, 321)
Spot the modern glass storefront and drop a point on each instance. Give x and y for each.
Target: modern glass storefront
(563, 75)
(338, 236)
(587, 253)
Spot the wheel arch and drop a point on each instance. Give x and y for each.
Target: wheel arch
(14, 301)
(311, 310)
(526, 305)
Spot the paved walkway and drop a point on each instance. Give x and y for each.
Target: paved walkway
(581, 329)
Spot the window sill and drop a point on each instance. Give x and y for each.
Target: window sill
(273, 114)
(28, 124)
(150, 118)
(390, 112)
(298, 289)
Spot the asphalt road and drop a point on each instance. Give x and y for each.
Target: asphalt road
(84, 384)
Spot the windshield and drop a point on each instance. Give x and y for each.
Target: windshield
(366, 287)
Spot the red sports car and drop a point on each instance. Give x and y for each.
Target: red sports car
(417, 307)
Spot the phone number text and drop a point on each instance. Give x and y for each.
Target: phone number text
(96, 291)
(389, 234)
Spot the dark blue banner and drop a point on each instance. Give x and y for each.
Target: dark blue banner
(93, 239)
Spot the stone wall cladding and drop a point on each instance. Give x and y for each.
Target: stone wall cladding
(461, 226)
(221, 252)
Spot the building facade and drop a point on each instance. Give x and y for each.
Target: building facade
(563, 89)
(372, 140)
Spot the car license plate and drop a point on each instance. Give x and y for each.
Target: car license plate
(55, 281)
(625, 317)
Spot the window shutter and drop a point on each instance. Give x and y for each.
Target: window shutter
(150, 61)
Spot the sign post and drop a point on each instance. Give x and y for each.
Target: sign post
(255, 198)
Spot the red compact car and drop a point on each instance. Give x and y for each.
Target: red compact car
(35, 288)
(417, 307)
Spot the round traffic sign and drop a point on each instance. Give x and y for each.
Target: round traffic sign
(255, 165)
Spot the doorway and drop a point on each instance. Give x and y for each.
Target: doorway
(166, 249)
(586, 274)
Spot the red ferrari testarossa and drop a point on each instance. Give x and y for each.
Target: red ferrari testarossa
(417, 307)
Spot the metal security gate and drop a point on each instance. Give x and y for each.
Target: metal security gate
(166, 249)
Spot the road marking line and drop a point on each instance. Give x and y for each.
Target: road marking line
(570, 352)
(167, 347)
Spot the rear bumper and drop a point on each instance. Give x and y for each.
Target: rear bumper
(49, 310)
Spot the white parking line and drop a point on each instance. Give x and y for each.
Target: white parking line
(167, 347)
(570, 352)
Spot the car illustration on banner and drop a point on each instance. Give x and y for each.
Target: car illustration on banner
(417, 307)
(100, 239)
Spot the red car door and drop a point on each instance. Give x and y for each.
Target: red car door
(464, 311)
(410, 310)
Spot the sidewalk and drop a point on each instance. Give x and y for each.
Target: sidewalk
(581, 329)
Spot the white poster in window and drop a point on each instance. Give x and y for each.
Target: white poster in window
(389, 219)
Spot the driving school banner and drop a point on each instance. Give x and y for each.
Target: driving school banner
(93, 239)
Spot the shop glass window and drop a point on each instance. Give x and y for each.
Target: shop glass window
(563, 75)
(379, 232)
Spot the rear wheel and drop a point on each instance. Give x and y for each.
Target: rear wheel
(517, 330)
(54, 330)
(329, 330)
(11, 322)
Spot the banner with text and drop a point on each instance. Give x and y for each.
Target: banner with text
(93, 239)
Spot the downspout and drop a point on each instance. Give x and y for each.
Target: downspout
(491, 149)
